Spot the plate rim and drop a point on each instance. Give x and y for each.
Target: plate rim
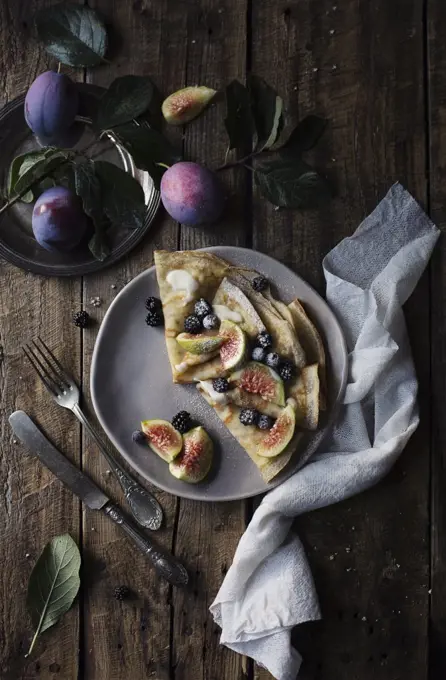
(283, 476)
(135, 236)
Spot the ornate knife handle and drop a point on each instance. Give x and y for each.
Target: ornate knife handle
(165, 564)
(144, 506)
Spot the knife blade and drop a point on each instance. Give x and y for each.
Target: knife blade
(80, 484)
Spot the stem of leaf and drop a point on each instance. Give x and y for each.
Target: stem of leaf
(33, 642)
(240, 161)
(163, 165)
(58, 67)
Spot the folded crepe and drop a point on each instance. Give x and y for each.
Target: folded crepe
(183, 277)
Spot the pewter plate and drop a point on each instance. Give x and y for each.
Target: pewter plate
(17, 243)
(131, 381)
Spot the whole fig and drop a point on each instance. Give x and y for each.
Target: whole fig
(58, 220)
(192, 194)
(184, 105)
(51, 105)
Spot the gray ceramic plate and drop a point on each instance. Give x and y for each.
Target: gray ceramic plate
(131, 381)
(17, 243)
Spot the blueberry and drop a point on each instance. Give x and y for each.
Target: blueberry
(265, 422)
(211, 322)
(139, 437)
(202, 308)
(258, 354)
(272, 360)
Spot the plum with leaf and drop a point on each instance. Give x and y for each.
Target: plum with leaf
(58, 221)
(51, 105)
(192, 194)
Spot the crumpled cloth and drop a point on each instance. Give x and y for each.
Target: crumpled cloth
(370, 275)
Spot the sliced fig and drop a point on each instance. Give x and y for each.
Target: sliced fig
(195, 460)
(262, 380)
(184, 105)
(280, 435)
(202, 343)
(162, 438)
(233, 350)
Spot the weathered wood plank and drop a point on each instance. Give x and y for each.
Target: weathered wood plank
(436, 25)
(35, 506)
(207, 534)
(130, 639)
(370, 555)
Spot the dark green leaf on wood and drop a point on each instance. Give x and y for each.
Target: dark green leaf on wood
(73, 34)
(267, 111)
(146, 145)
(33, 168)
(239, 121)
(127, 98)
(88, 188)
(53, 584)
(305, 135)
(292, 184)
(122, 196)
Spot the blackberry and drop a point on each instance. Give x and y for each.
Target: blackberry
(264, 340)
(121, 592)
(286, 370)
(260, 283)
(139, 437)
(258, 354)
(153, 304)
(272, 360)
(182, 422)
(202, 308)
(155, 318)
(211, 322)
(220, 385)
(248, 416)
(81, 319)
(265, 422)
(192, 324)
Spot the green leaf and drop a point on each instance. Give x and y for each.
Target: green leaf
(53, 584)
(126, 98)
(239, 120)
(146, 145)
(267, 111)
(292, 184)
(123, 199)
(99, 245)
(305, 135)
(73, 34)
(26, 170)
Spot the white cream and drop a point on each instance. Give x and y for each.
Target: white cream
(181, 280)
(224, 312)
(181, 368)
(218, 397)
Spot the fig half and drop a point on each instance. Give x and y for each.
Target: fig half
(257, 378)
(195, 460)
(163, 438)
(280, 435)
(233, 350)
(184, 105)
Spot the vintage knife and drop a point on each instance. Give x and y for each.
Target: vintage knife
(29, 434)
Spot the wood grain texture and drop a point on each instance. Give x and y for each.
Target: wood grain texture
(35, 506)
(436, 69)
(207, 534)
(130, 639)
(369, 555)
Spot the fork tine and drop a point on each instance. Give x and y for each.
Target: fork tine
(35, 363)
(62, 372)
(54, 374)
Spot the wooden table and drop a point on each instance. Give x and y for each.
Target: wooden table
(377, 70)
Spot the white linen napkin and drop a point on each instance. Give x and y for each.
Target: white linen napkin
(269, 587)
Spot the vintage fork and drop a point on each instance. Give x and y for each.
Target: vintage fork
(145, 508)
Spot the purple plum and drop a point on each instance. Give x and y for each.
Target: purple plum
(66, 139)
(192, 194)
(51, 105)
(58, 220)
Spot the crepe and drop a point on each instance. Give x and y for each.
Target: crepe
(183, 277)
